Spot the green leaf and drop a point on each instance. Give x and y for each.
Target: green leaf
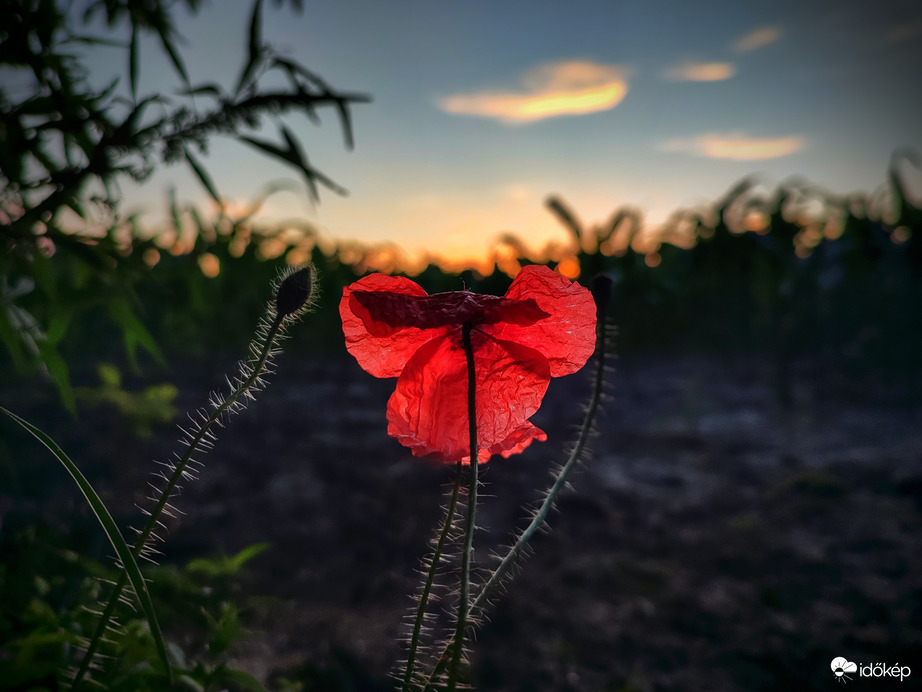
(109, 375)
(174, 211)
(112, 533)
(255, 47)
(59, 374)
(9, 335)
(247, 554)
(92, 41)
(209, 89)
(269, 148)
(345, 118)
(168, 46)
(57, 329)
(224, 566)
(44, 277)
(311, 175)
(225, 630)
(133, 62)
(203, 176)
(134, 334)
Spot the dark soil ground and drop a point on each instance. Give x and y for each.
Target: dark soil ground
(717, 540)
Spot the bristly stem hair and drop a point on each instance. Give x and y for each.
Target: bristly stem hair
(467, 549)
(294, 293)
(434, 561)
(601, 292)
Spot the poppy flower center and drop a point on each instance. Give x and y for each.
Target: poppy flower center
(384, 313)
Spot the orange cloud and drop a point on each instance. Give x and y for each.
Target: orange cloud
(735, 146)
(701, 72)
(555, 89)
(758, 38)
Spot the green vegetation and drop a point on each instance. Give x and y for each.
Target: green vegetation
(43, 614)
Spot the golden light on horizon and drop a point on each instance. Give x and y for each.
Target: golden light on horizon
(901, 234)
(209, 264)
(569, 267)
(150, 257)
(756, 221)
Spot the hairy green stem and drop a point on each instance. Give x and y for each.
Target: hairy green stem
(470, 519)
(540, 516)
(430, 580)
(256, 370)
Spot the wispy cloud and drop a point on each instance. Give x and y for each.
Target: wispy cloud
(575, 87)
(700, 72)
(758, 38)
(735, 146)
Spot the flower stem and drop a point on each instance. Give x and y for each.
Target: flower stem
(430, 580)
(256, 369)
(468, 548)
(499, 575)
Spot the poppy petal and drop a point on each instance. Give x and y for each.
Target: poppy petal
(380, 348)
(428, 410)
(520, 438)
(567, 336)
(385, 312)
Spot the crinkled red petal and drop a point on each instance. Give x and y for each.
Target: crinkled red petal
(567, 336)
(519, 439)
(428, 410)
(386, 312)
(378, 347)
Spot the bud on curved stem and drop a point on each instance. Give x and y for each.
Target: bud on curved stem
(291, 300)
(296, 291)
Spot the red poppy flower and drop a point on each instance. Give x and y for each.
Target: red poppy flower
(543, 327)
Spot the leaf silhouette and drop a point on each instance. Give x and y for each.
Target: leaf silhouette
(202, 176)
(133, 62)
(566, 217)
(255, 48)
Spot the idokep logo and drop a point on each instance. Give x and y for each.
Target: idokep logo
(844, 670)
(842, 667)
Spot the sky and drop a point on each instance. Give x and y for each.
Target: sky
(482, 109)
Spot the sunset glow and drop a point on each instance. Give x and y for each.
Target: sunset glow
(473, 123)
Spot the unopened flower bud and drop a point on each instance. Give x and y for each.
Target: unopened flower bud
(295, 291)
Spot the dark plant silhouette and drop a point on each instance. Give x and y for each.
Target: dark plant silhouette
(64, 146)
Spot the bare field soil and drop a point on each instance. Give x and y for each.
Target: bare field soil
(716, 540)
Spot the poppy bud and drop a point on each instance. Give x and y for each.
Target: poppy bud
(295, 291)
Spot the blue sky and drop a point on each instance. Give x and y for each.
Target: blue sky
(481, 109)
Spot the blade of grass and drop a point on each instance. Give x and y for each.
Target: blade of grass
(115, 537)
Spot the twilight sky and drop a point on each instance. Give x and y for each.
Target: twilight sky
(482, 108)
